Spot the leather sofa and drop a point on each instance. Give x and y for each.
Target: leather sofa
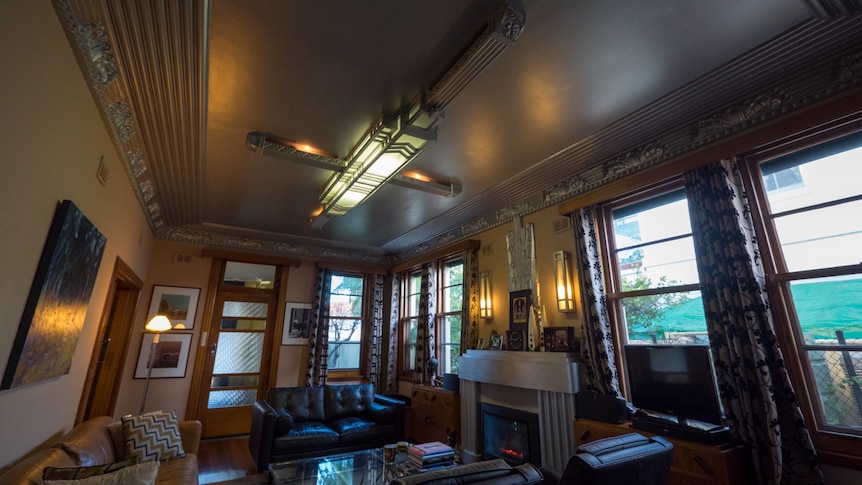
(492, 472)
(301, 422)
(100, 441)
(631, 458)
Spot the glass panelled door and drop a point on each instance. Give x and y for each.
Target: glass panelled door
(234, 369)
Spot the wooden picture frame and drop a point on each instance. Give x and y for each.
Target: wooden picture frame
(171, 355)
(56, 306)
(297, 320)
(560, 339)
(177, 303)
(480, 345)
(520, 303)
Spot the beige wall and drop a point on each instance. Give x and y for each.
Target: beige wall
(546, 244)
(52, 138)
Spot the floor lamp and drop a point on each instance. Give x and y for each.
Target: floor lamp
(157, 325)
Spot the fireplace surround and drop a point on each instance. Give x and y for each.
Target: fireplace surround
(544, 383)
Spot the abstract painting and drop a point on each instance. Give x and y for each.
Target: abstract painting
(57, 304)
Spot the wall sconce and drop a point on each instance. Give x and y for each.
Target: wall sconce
(157, 325)
(563, 279)
(485, 308)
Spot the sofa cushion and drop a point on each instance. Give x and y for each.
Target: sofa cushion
(89, 443)
(141, 474)
(347, 400)
(354, 430)
(304, 437)
(75, 473)
(301, 403)
(153, 436)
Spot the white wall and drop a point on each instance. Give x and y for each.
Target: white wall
(51, 140)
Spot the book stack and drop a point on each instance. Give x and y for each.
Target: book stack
(431, 456)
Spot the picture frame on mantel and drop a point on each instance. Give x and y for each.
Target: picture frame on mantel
(496, 342)
(520, 303)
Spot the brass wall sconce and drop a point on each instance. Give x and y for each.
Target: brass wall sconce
(485, 307)
(563, 279)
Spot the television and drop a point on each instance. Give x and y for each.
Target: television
(676, 380)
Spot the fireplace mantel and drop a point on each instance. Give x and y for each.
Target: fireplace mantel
(542, 371)
(552, 377)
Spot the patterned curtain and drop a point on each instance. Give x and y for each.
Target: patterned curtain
(470, 306)
(425, 335)
(754, 385)
(318, 334)
(378, 373)
(597, 345)
(394, 344)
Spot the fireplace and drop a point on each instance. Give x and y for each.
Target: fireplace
(510, 434)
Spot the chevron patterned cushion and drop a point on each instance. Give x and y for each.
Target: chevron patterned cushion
(153, 436)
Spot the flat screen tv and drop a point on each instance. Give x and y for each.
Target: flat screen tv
(674, 379)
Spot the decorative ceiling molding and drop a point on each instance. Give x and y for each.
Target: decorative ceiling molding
(116, 46)
(830, 9)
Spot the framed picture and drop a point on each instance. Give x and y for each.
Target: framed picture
(519, 309)
(177, 303)
(496, 342)
(169, 357)
(481, 344)
(515, 339)
(560, 339)
(57, 304)
(297, 320)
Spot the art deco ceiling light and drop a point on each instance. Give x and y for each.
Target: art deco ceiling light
(394, 140)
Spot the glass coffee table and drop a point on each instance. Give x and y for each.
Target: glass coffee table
(364, 467)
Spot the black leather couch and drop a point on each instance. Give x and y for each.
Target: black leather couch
(492, 472)
(301, 422)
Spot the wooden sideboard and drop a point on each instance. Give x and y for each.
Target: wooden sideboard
(692, 462)
(433, 410)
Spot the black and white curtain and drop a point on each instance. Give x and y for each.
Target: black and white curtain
(318, 333)
(755, 388)
(425, 333)
(380, 371)
(597, 345)
(470, 306)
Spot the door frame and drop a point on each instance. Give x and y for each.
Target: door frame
(198, 389)
(105, 371)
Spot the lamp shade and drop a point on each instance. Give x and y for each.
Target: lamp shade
(158, 323)
(563, 280)
(485, 308)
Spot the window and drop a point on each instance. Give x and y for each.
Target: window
(814, 223)
(656, 297)
(413, 286)
(345, 322)
(449, 318)
(448, 314)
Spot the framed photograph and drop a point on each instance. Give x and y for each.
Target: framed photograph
(519, 309)
(297, 320)
(481, 344)
(560, 339)
(496, 342)
(177, 303)
(57, 304)
(515, 340)
(169, 357)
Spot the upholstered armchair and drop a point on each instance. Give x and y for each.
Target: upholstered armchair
(632, 459)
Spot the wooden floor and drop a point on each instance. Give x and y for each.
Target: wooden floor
(224, 459)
